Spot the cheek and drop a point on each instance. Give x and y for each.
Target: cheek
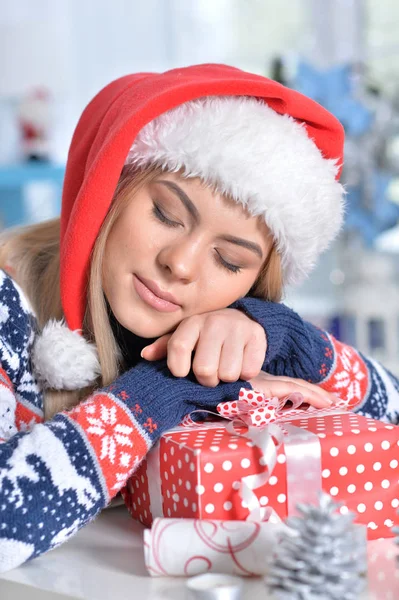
(114, 250)
(126, 242)
(219, 291)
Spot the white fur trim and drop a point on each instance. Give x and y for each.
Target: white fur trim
(263, 160)
(62, 359)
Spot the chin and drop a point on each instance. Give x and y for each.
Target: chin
(147, 328)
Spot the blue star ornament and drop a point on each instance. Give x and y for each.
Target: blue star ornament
(358, 218)
(356, 118)
(322, 85)
(371, 217)
(333, 89)
(385, 210)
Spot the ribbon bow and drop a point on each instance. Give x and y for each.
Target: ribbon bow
(254, 409)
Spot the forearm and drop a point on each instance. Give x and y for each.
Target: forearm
(59, 476)
(295, 348)
(299, 349)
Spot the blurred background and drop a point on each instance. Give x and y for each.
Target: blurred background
(54, 56)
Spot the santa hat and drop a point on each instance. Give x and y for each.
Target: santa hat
(273, 150)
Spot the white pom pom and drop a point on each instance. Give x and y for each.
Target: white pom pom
(62, 359)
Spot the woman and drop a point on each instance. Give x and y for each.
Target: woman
(190, 199)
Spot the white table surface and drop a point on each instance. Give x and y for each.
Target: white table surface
(105, 560)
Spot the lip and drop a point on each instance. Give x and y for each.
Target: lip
(152, 295)
(157, 291)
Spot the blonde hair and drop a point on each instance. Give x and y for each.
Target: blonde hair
(31, 255)
(269, 283)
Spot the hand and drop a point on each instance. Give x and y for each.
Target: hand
(228, 346)
(272, 385)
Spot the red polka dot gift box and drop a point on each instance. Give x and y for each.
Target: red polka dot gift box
(198, 471)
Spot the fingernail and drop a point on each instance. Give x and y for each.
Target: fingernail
(141, 353)
(328, 402)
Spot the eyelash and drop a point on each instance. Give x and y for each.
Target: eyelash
(158, 214)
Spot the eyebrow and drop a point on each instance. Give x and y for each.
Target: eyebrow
(193, 211)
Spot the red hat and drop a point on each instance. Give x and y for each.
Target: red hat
(274, 150)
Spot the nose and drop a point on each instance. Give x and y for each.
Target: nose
(182, 259)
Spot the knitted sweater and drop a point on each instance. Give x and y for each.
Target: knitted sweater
(57, 476)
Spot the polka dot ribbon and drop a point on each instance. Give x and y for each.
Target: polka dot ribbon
(255, 410)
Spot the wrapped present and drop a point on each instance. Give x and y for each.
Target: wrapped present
(212, 471)
(248, 548)
(234, 547)
(383, 570)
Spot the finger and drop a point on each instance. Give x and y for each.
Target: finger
(231, 358)
(253, 357)
(281, 389)
(312, 396)
(316, 389)
(181, 345)
(207, 355)
(158, 349)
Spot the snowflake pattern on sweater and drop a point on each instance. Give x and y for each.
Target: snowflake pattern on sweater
(21, 398)
(362, 384)
(57, 476)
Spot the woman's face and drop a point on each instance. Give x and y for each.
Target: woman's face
(179, 238)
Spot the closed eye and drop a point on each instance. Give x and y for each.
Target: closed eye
(159, 215)
(156, 211)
